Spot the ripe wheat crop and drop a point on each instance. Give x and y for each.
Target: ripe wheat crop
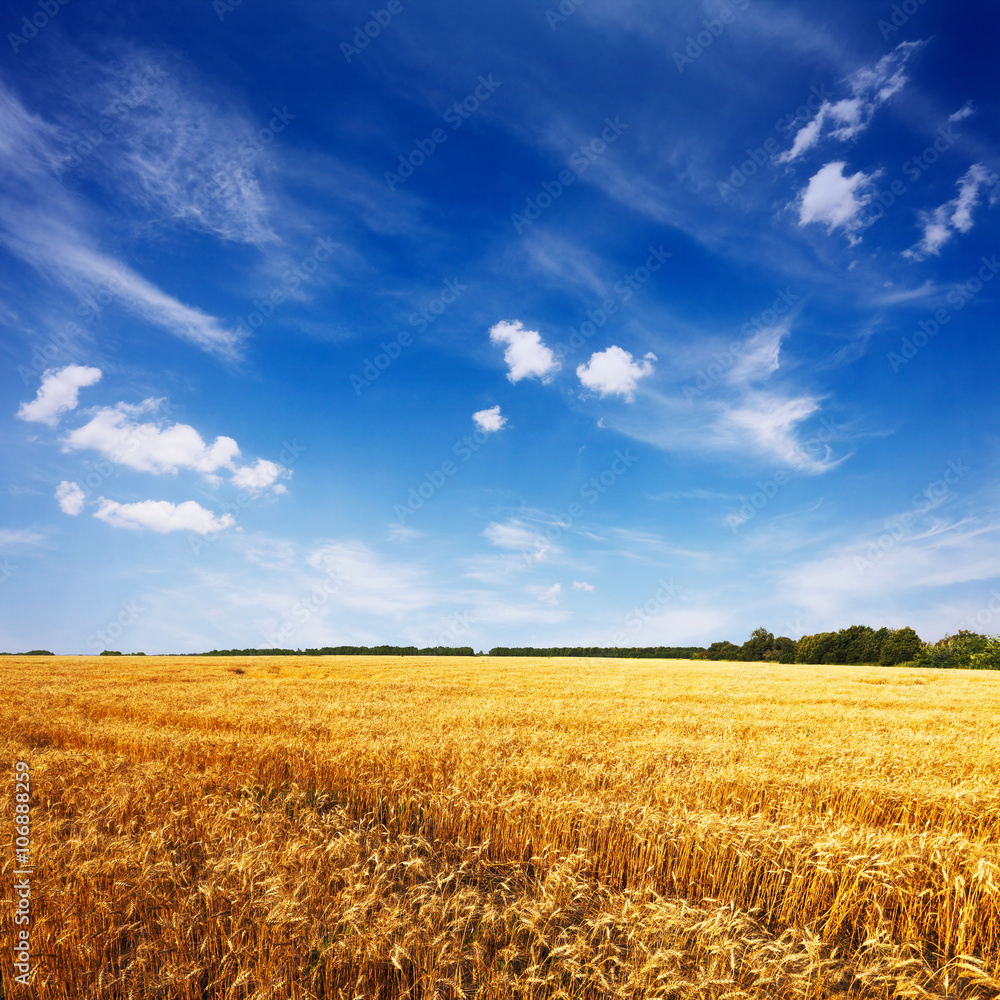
(349, 827)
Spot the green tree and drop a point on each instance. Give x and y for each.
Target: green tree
(760, 642)
(963, 650)
(901, 646)
(783, 650)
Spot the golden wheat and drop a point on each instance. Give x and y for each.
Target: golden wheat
(448, 827)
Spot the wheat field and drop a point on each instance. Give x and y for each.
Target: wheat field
(348, 827)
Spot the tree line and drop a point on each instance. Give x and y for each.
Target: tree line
(861, 644)
(347, 651)
(858, 644)
(854, 645)
(635, 652)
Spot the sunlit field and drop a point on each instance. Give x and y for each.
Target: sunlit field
(510, 828)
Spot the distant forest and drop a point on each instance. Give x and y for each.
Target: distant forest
(347, 651)
(633, 652)
(858, 644)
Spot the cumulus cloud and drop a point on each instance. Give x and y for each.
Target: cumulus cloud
(489, 420)
(162, 516)
(613, 372)
(259, 477)
(550, 595)
(955, 215)
(115, 433)
(582, 585)
(832, 198)
(871, 87)
(58, 393)
(70, 497)
(526, 355)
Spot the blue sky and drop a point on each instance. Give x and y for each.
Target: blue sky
(608, 322)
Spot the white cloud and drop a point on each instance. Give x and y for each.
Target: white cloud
(613, 372)
(967, 110)
(401, 533)
(183, 158)
(969, 184)
(550, 595)
(759, 357)
(936, 233)
(768, 423)
(257, 478)
(805, 138)
(730, 412)
(517, 536)
(43, 221)
(371, 584)
(146, 446)
(162, 516)
(59, 251)
(834, 199)
(564, 260)
(865, 573)
(582, 585)
(871, 87)
(940, 223)
(10, 536)
(489, 420)
(927, 290)
(58, 393)
(526, 355)
(70, 497)
(165, 449)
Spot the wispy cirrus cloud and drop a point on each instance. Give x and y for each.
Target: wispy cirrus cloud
(179, 155)
(845, 119)
(48, 224)
(515, 535)
(769, 423)
(939, 554)
(745, 410)
(941, 224)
